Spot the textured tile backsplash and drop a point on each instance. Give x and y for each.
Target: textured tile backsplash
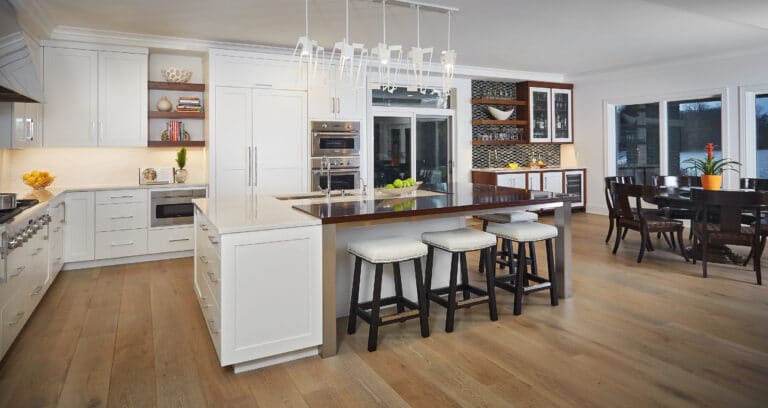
(520, 154)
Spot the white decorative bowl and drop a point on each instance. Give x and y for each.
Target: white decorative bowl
(500, 114)
(397, 192)
(179, 75)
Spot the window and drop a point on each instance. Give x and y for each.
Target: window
(761, 130)
(401, 97)
(637, 141)
(691, 124)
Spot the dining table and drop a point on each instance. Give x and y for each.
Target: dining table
(679, 198)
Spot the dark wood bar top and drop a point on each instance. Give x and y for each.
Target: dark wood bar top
(456, 197)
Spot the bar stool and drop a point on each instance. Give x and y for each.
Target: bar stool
(505, 218)
(379, 252)
(458, 242)
(526, 232)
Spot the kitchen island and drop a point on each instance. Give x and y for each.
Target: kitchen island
(276, 274)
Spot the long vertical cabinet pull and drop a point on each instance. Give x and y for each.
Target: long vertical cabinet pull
(250, 167)
(255, 166)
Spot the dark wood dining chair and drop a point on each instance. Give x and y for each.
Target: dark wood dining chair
(729, 230)
(610, 199)
(675, 182)
(634, 218)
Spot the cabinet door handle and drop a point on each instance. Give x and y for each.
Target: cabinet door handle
(255, 166)
(30, 129)
(121, 217)
(338, 105)
(19, 316)
(213, 241)
(178, 240)
(250, 167)
(113, 197)
(212, 278)
(19, 271)
(101, 131)
(203, 259)
(37, 291)
(333, 105)
(119, 244)
(211, 325)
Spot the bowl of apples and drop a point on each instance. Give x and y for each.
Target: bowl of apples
(38, 180)
(400, 187)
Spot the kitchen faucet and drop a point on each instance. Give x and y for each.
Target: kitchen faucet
(325, 164)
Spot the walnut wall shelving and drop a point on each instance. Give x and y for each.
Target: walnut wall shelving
(176, 87)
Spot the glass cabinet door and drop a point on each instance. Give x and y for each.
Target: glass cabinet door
(561, 116)
(540, 116)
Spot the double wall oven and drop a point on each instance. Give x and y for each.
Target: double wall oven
(339, 142)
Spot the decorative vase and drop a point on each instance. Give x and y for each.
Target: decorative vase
(711, 182)
(163, 104)
(181, 175)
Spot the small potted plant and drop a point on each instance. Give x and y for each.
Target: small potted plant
(181, 160)
(711, 170)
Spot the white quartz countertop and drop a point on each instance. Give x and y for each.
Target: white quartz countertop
(524, 169)
(258, 213)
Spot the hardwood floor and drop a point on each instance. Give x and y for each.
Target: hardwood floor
(633, 335)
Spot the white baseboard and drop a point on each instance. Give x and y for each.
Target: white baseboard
(127, 260)
(597, 209)
(278, 359)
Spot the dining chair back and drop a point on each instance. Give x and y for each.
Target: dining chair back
(610, 199)
(757, 184)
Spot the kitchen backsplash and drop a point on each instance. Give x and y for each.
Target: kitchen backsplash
(521, 154)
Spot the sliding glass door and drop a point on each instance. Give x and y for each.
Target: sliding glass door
(400, 152)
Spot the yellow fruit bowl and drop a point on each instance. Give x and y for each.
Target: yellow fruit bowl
(398, 192)
(38, 180)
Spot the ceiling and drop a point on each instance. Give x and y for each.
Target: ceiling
(558, 36)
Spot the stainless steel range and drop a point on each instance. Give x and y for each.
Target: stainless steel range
(336, 144)
(23, 228)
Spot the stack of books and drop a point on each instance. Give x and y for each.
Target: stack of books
(189, 104)
(175, 131)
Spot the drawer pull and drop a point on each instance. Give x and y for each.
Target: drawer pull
(212, 278)
(119, 244)
(37, 251)
(211, 325)
(19, 316)
(178, 240)
(121, 196)
(121, 217)
(37, 291)
(19, 270)
(203, 227)
(57, 229)
(203, 259)
(213, 240)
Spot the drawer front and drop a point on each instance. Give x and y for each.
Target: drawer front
(209, 275)
(511, 180)
(13, 316)
(211, 315)
(121, 196)
(170, 240)
(117, 244)
(117, 217)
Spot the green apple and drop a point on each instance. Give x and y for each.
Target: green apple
(398, 183)
(411, 181)
(389, 186)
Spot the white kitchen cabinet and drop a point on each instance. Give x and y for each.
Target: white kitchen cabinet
(95, 98)
(119, 244)
(115, 217)
(79, 226)
(330, 100)
(56, 239)
(252, 70)
(534, 181)
(170, 240)
(122, 99)
(260, 142)
(552, 181)
(515, 180)
(71, 96)
(20, 125)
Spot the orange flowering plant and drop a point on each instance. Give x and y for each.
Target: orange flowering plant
(710, 166)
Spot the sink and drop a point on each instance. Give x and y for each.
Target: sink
(316, 194)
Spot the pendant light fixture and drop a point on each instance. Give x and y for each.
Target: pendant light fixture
(418, 59)
(448, 59)
(351, 59)
(307, 49)
(388, 57)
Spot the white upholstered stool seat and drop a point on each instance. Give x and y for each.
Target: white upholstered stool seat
(387, 250)
(514, 216)
(459, 240)
(523, 231)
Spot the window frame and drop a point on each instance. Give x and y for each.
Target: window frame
(748, 127)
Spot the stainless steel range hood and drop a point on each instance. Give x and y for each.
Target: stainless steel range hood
(20, 60)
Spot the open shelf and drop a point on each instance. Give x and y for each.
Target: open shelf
(176, 115)
(499, 122)
(488, 101)
(175, 86)
(184, 143)
(497, 142)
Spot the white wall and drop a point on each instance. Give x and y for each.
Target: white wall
(591, 92)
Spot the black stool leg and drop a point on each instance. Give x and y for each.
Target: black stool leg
(481, 265)
(428, 276)
(398, 287)
(422, 299)
(510, 256)
(504, 244)
(490, 280)
(464, 274)
(552, 276)
(452, 293)
(352, 319)
(522, 263)
(373, 332)
(534, 264)
(521, 282)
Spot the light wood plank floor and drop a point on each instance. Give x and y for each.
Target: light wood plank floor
(654, 334)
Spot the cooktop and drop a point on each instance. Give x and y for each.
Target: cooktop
(21, 205)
